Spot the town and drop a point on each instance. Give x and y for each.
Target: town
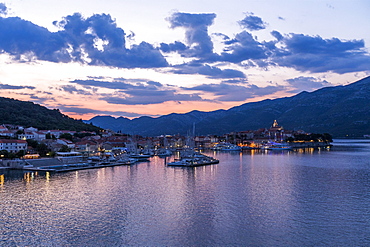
(21, 146)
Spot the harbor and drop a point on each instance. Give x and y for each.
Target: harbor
(94, 151)
(252, 197)
(176, 158)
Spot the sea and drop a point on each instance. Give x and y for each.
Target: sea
(306, 197)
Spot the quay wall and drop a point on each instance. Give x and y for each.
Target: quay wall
(17, 163)
(309, 144)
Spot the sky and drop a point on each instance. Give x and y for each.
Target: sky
(148, 58)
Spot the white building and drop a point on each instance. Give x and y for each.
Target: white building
(13, 146)
(27, 136)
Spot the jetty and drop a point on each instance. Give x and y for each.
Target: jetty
(58, 165)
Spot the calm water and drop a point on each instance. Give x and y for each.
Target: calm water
(306, 198)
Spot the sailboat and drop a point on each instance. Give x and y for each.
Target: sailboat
(190, 158)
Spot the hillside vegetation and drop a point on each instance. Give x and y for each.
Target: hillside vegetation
(29, 114)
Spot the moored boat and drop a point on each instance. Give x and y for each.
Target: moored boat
(226, 147)
(194, 162)
(276, 146)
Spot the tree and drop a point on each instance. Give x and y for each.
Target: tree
(66, 136)
(64, 148)
(4, 154)
(32, 143)
(42, 149)
(327, 137)
(20, 153)
(19, 132)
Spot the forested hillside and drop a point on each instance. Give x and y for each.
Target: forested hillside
(29, 114)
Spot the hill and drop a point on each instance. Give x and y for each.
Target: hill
(28, 114)
(343, 111)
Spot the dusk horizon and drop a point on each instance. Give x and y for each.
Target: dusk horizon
(140, 59)
(184, 123)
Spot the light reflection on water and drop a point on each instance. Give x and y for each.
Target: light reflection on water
(307, 197)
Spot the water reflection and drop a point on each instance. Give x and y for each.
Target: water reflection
(291, 198)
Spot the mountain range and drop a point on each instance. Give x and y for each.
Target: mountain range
(342, 111)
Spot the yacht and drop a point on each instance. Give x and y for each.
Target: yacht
(276, 146)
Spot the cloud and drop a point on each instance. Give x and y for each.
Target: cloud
(173, 47)
(315, 54)
(80, 110)
(95, 40)
(73, 90)
(277, 35)
(197, 38)
(307, 83)
(210, 71)
(231, 92)
(252, 22)
(223, 36)
(132, 92)
(243, 47)
(19, 37)
(3, 9)
(146, 98)
(103, 84)
(12, 87)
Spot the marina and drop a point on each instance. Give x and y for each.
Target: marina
(74, 161)
(303, 197)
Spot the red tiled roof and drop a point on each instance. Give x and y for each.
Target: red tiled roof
(12, 141)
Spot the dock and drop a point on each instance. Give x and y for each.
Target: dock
(55, 165)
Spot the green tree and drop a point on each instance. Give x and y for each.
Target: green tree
(64, 148)
(4, 154)
(42, 149)
(32, 143)
(19, 132)
(66, 136)
(20, 153)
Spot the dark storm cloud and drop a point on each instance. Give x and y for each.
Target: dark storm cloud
(306, 83)
(315, 54)
(11, 87)
(197, 38)
(210, 71)
(229, 92)
(252, 22)
(95, 40)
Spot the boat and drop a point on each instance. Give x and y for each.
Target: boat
(226, 147)
(231, 147)
(192, 159)
(164, 152)
(126, 161)
(140, 157)
(276, 146)
(194, 162)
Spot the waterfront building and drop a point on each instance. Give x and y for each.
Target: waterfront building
(13, 146)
